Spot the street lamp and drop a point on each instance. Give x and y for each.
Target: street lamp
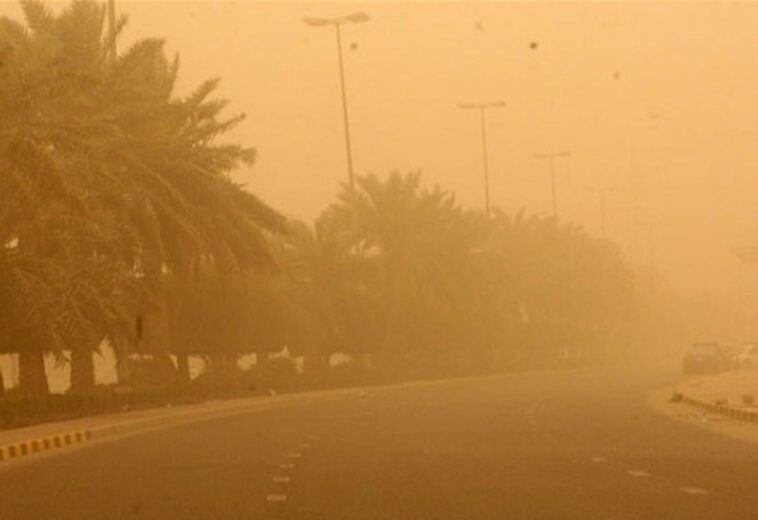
(111, 12)
(483, 107)
(552, 157)
(358, 17)
(602, 191)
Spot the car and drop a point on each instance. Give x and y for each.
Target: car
(748, 357)
(705, 358)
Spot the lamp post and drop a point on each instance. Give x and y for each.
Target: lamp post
(602, 191)
(111, 11)
(482, 108)
(354, 18)
(552, 157)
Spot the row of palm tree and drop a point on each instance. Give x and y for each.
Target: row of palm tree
(109, 182)
(119, 215)
(400, 271)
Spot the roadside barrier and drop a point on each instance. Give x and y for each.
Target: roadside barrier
(719, 406)
(31, 447)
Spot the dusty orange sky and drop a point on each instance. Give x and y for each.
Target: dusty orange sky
(657, 99)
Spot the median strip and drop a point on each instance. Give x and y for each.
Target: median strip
(30, 447)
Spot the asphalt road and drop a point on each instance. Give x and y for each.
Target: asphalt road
(553, 445)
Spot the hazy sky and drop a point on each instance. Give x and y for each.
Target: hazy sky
(656, 99)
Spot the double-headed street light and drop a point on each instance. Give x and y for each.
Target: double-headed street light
(358, 17)
(483, 107)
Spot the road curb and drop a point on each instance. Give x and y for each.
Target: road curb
(721, 409)
(42, 444)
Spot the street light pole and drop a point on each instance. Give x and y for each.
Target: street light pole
(602, 191)
(358, 17)
(482, 107)
(345, 117)
(111, 8)
(552, 157)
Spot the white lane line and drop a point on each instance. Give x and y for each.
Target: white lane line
(304, 446)
(599, 459)
(694, 491)
(637, 473)
(295, 455)
(281, 479)
(314, 438)
(276, 498)
(288, 465)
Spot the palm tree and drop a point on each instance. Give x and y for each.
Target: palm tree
(557, 287)
(332, 289)
(113, 141)
(421, 240)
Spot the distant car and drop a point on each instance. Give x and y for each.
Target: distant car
(705, 358)
(748, 357)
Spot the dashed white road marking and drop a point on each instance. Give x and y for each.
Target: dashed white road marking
(276, 498)
(637, 473)
(599, 459)
(305, 446)
(281, 479)
(295, 455)
(287, 465)
(694, 491)
(314, 438)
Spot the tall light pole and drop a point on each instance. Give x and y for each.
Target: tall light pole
(358, 17)
(483, 107)
(552, 157)
(111, 8)
(602, 191)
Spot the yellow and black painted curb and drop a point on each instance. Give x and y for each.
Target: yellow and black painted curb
(50, 442)
(721, 409)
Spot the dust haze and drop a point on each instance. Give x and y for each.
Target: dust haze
(480, 238)
(654, 99)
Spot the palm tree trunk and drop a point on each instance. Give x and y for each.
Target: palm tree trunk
(82, 370)
(261, 360)
(182, 362)
(2, 383)
(32, 377)
(123, 374)
(316, 363)
(390, 341)
(157, 325)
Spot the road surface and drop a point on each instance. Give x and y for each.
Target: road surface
(551, 445)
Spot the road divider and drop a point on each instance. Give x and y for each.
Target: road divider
(51, 442)
(718, 406)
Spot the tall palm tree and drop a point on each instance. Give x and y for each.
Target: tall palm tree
(332, 289)
(92, 136)
(421, 239)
